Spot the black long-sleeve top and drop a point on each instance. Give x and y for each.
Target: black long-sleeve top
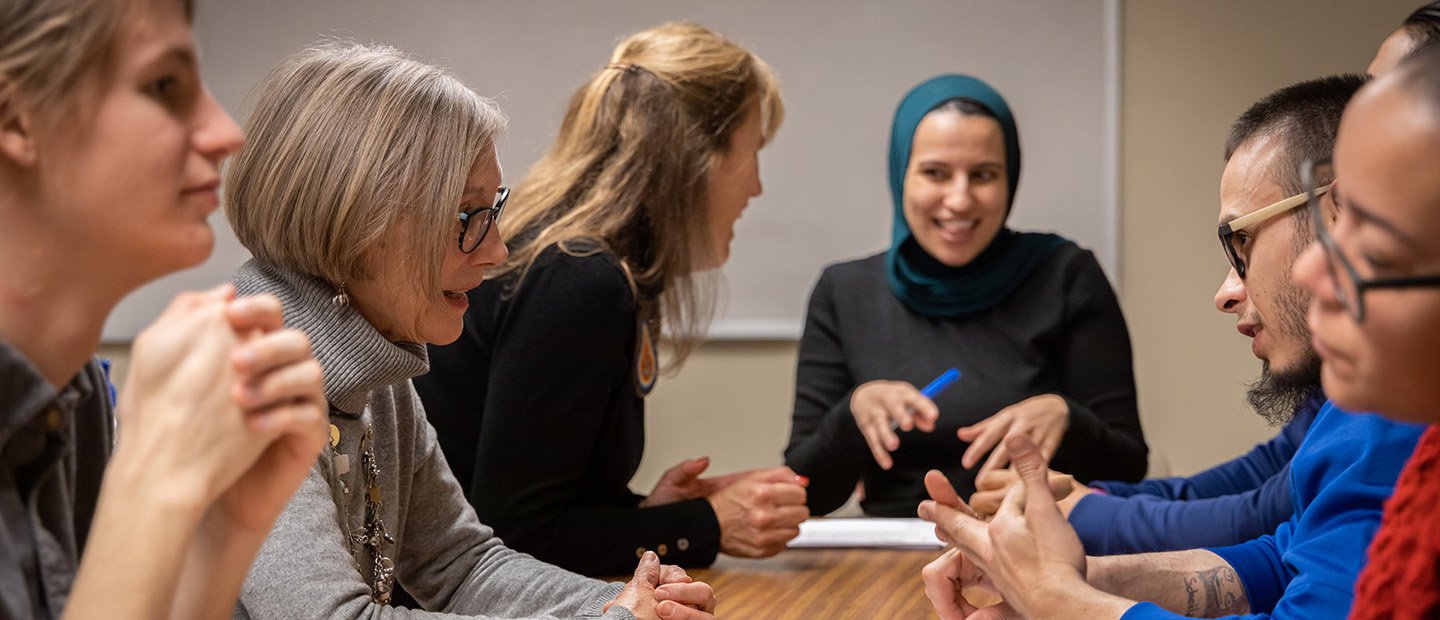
(538, 415)
(1061, 332)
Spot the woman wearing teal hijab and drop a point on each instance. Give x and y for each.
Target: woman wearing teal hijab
(1028, 318)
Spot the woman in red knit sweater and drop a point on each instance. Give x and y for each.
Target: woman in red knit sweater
(1375, 317)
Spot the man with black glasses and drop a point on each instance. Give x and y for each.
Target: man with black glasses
(1262, 231)
(1341, 474)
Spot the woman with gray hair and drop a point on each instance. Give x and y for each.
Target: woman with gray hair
(368, 194)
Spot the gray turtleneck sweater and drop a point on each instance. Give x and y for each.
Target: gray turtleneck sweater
(444, 556)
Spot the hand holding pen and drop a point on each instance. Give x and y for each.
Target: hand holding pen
(881, 408)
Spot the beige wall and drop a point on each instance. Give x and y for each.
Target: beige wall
(1188, 69)
(731, 401)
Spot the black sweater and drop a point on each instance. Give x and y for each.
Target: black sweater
(1061, 332)
(538, 415)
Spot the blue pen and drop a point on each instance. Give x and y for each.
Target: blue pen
(934, 388)
(940, 383)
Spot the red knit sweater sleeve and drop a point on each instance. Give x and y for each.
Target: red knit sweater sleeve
(1401, 579)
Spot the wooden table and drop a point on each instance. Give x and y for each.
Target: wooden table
(822, 584)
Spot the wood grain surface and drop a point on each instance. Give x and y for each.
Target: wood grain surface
(821, 584)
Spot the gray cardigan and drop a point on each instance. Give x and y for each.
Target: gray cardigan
(444, 556)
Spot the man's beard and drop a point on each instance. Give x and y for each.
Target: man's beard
(1277, 394)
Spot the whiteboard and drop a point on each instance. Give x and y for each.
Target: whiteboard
(843, 65)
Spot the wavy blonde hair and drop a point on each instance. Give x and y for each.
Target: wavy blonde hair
(347, 142)
(628, 172)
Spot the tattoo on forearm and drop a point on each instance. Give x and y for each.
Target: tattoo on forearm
(1214, 592)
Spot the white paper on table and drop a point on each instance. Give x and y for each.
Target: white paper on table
(869, 532)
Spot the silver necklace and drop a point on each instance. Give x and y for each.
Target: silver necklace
(373, 536)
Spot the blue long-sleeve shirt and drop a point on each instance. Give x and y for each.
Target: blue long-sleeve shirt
(1230, 503)
(1340, 478)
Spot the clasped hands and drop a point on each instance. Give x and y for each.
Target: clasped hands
(1027, 554)
(665, 592)
(759, 510)
(883, 407)
(223, 408)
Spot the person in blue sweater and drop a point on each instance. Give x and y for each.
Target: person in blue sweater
(1226, 504)
(1242, 498)
(1340, 476)
(1250, 495)
(1229, 503)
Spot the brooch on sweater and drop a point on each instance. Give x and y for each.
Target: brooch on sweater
(647, 360)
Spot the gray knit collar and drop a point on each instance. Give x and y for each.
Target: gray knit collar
(355, 358)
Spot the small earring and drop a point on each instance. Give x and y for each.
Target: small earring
(341, 298)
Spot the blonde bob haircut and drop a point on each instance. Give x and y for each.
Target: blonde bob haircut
(628, 172)
(48, 46)
(347, 145)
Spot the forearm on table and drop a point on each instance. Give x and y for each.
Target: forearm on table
(138, 542)
(1077, 601)
(1196, 583)
(1173, 488)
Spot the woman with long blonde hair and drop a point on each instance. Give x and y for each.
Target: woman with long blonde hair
(540, 404)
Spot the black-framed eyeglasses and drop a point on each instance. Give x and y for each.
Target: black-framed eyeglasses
(1349, 286)
(475, 223)
(1232, 241)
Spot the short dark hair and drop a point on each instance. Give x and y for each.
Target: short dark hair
(1304, 117)
(1423, 25)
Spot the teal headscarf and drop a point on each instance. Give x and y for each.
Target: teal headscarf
(924, 284)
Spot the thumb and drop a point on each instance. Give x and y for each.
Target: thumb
(647, 572)
(683, 471)
(941, 489)
(1034, 472)
(696, 466)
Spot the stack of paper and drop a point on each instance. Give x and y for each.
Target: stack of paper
(893, 533)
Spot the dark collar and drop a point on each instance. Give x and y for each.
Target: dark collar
(25, 393)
